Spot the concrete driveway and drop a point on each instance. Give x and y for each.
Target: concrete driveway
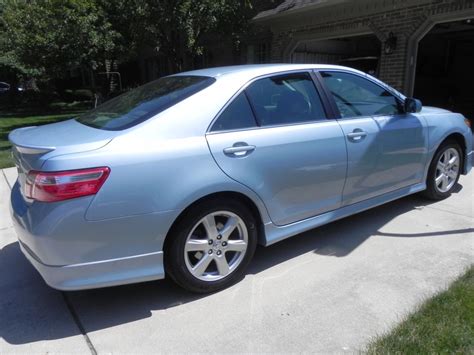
(327, 290)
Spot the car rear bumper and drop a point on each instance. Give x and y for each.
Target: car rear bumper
(99, 274)
(72, 253)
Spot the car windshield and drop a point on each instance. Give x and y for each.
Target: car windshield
(144, 102)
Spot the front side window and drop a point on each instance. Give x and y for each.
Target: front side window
(144, 102)
(285, 99)
(356, 96)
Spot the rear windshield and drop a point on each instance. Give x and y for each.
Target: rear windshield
(144, 102)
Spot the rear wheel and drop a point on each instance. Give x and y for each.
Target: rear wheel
(211, 246)
(444, 171)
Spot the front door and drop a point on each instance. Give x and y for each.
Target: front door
(386, 146)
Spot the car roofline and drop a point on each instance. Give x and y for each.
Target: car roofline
(256, 70)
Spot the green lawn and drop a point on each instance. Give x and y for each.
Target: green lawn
(444, 324)
(10, 121)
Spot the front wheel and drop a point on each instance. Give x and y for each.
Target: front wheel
(211, 246)
(444, 171)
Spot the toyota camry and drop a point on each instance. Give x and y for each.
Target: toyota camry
(184, 176)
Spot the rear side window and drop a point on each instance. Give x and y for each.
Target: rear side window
(237, 115)
(285, 99)
(144, 102)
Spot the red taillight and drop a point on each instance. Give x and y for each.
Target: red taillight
(64, 185)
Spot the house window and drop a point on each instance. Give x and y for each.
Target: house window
(261, 53)
(258, 53)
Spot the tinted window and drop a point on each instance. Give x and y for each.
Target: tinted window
(144, 102)
(236, 116)
(356, 96)
(285, 99)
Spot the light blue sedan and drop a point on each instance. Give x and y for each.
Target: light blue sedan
(185, 175)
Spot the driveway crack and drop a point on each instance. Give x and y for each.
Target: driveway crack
(8, 183)
(78, 322)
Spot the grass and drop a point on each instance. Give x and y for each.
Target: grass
(444, 324)
(10, 121)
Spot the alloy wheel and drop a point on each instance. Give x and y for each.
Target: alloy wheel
(216, 246)
(447, 170)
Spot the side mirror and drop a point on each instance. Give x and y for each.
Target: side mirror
(412, 105)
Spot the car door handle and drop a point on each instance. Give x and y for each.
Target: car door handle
(239, 149)
(357, 135)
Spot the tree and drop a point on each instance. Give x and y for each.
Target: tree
(177, 28)
(49, 38)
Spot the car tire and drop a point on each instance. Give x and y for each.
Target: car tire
(435, 190)
(214, 245)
